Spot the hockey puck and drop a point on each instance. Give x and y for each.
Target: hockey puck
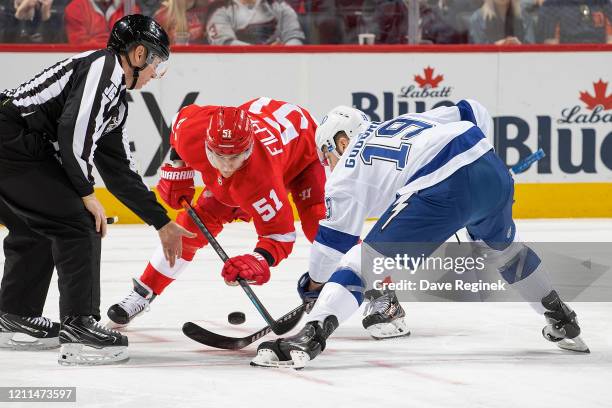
(236, 318)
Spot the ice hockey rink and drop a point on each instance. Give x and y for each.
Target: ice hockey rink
(459, 354)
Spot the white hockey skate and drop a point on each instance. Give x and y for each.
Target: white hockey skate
(28, 333)
(385, 316)
(562, 327)
(133, 305)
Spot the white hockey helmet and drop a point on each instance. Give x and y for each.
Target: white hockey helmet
(340, 119)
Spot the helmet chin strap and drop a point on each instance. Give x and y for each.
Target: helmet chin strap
(135, 71)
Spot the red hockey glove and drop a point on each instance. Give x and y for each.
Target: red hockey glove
(174, 183)
(252, 267)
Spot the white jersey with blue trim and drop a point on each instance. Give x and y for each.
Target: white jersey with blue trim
(387, 163)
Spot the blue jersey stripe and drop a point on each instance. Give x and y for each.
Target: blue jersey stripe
(458, 145)
(466, 112)
(340, 241)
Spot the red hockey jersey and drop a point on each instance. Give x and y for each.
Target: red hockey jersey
(283, 147)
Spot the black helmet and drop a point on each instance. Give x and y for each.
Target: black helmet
(138, 29)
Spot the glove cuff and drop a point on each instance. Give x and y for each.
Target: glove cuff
(259, 257)
(264, 254)
(177, 173)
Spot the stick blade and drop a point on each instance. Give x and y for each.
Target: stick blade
(208, 338)
(289, 321)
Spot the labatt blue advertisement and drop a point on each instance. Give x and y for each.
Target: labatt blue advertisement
(540, 102)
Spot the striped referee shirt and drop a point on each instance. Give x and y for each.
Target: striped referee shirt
(79, 105)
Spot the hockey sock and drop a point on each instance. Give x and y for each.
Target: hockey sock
(534, 288)
(528, 277)
(158, 274)
(343, 297)
(335, 300)
(155, 280)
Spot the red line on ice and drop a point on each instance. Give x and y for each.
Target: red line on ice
(385, 364)
(292, 373)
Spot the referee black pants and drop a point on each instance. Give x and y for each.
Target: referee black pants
(48, 226)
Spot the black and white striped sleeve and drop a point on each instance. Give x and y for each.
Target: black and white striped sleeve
(95, 91)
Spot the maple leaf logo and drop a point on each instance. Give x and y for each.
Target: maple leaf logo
(429, 81)
(600, 97)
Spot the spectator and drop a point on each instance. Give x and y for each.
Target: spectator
(244, 22)
(497, 22)
(90, 21)
(387, 19)
(184, 20)
(349, 14)
(530, 10)
(318, 20)
(148, 7)
(571, 21)
(341, 21)
(31, 21)
(447, 21)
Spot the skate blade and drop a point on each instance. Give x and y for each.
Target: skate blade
(576, 344)
(396, 328)
(268, 358)
(24, 342)
(81, 354)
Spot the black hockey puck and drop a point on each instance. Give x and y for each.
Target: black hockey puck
(236, 318)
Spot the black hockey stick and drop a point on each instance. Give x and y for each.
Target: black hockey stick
(201, 335)
(278, 327)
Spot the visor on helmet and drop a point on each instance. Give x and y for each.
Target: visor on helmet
(159, 64)
(228, 162)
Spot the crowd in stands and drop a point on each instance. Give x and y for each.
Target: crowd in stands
(297, 22)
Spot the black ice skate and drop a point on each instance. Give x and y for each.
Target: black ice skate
(28, 333)
(86, 342)
(385, 316)
(296, 351)
(134, 304)
(562, 327)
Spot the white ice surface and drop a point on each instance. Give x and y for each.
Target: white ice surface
(459, 354)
